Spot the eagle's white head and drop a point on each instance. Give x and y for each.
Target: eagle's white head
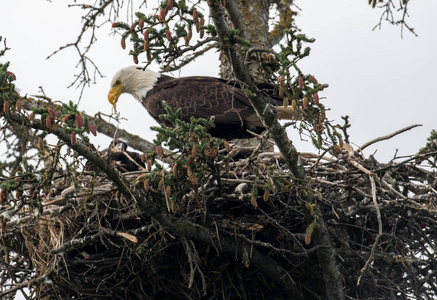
(132, 80)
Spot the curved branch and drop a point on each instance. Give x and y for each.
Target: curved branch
(378, 236)
(389, 136)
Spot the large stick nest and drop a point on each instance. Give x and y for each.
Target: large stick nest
(84, 239)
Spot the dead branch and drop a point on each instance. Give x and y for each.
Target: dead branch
(389, 136)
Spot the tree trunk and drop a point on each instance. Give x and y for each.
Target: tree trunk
(251, 18)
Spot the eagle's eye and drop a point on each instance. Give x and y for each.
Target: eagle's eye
(118, 82)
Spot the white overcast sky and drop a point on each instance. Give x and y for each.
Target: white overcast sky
(382, 81)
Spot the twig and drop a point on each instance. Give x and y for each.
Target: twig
(386, 137)
(75, 243)
(269, 246)
(89, 24)
(125, 235)
(378, 216)
(14, 289)
(191, 57)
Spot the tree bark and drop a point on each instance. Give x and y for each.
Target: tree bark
(251, 18)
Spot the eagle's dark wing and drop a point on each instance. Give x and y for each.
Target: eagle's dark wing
(203, 97)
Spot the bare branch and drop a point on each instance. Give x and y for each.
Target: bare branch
(390, 12)
(389, 136)
(85, 77)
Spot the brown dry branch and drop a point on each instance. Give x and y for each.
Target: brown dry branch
(389, 136)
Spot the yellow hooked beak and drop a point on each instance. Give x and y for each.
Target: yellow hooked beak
(114, 93)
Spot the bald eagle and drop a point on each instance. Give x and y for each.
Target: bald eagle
(198, 96)
(126, 161)
(118, 156)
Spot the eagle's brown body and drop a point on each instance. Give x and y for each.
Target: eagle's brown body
(198, 96)
(203, 97)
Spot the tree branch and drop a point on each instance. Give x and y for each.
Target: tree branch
(235, 17)
(113, 174)
(326, 255)
(90, 20)
(389, 136)
(102, 126)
